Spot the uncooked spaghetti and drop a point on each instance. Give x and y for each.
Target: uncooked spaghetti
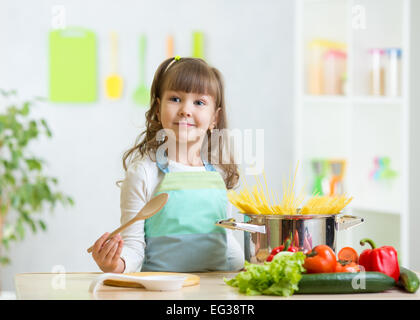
(265, 201)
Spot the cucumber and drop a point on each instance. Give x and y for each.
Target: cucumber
(408, 280)
(345, 282)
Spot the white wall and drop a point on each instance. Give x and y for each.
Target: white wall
(414, 142)
(249, 41)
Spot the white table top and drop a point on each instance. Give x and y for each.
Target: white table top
(75, 286)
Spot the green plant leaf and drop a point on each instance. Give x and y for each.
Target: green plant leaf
(33, 164)
(20, 229)
(42, 225)
(47, 128)
(25, 110)
(15, 200)
(8, 176)
(70, 201)
(5, 243)
(4, 260)
(33, 226)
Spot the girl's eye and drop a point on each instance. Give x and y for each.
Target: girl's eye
(175, 99)
(200, 102)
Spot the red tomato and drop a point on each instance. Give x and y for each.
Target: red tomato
(320, 259)
(346, 266)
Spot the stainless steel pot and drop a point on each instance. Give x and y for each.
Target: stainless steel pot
(265, 232)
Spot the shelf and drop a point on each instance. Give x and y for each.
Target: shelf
(325, 99)
(377, 100)
(352, 99)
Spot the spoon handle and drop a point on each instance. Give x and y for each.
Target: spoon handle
(153, 206)
(116, 231)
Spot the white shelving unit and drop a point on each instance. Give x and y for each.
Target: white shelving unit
(358, 127)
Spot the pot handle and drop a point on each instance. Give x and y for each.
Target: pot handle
(345, 222)
(232, 224)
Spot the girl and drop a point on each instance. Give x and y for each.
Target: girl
(175, 155)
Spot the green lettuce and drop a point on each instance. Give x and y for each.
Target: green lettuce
(279, 277)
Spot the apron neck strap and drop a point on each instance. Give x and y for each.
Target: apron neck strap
(162, 163)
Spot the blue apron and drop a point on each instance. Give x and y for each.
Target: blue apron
(183, 237)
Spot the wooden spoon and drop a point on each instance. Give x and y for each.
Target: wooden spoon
(149, 209)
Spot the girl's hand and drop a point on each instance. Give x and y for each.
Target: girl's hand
(106, 253)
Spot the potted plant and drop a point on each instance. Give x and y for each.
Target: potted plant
(25, 190)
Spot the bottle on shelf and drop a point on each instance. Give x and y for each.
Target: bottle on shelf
(393, 72)
(377, 72)
(324, 62)
(334, 72)
(315, 74)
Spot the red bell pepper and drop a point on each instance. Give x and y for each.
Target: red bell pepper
(286, 247)
(383, 259)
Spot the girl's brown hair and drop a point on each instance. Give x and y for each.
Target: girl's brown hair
(187, 75)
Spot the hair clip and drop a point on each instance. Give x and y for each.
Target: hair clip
(176, 58)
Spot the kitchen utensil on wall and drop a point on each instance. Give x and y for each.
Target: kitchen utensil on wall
(265, 232)
(198, 45)
(114, 82)
(72, 65)
(142, 93)
(169, 46)
(148, 210)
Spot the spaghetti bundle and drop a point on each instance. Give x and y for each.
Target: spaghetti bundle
(260, 201)
(325, 204)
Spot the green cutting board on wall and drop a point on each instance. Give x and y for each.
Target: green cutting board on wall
(72, 65)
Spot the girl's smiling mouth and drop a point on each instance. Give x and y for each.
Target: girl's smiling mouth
(183, 123)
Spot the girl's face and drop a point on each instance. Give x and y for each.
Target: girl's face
(187, 115)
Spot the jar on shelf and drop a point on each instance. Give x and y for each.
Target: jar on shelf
(334, 72)
(377, 72)
(393, 72)
(315, 74)
(316, 69)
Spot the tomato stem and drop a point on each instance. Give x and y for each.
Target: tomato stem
(313, 253)
(344, 262)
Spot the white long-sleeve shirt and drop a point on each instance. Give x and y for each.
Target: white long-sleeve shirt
(141, 180)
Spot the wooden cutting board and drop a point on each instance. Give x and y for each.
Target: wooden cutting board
(191, 280)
